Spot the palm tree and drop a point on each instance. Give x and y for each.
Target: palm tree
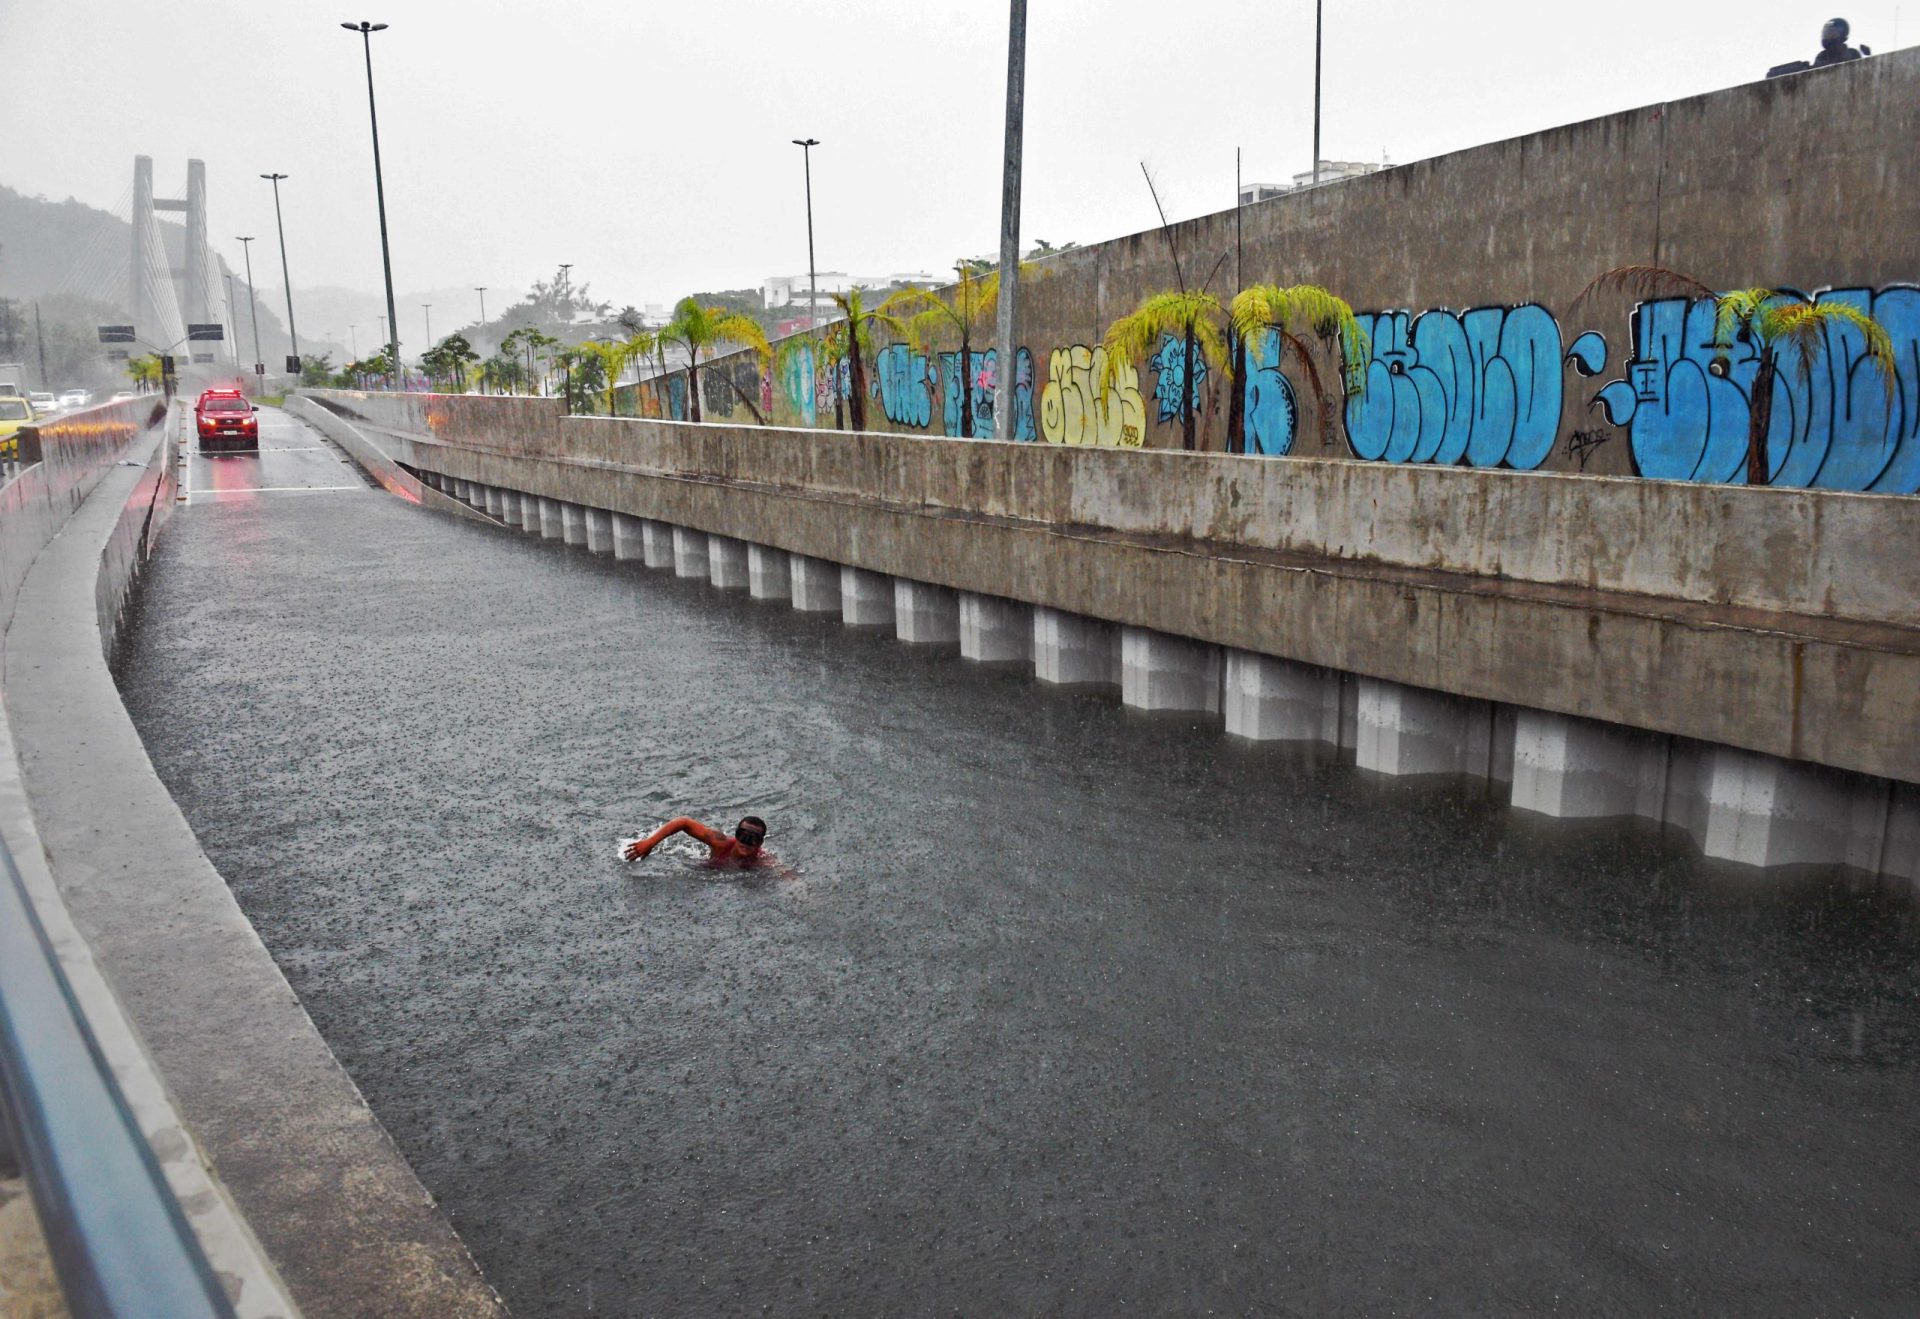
(1314, 310)
(854, 335)
(1772, 319)
(926, 316)
(1194, 318)
(698, 328)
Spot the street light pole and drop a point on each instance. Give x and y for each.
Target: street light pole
(806, 145)
(293, 335)
(483, 303)
(1316, 90)
(1004, 330)
(353, 338)
(366, 31)
(253, 307)
(427, 307)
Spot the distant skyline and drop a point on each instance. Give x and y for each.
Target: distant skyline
(648, 144)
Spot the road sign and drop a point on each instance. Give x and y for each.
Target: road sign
(116, 334)
(116, 354)
(259, 368)
(203, 357)
(293, 365)
(200, 333)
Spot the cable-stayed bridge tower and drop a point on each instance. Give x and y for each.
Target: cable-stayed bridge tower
(161, 311)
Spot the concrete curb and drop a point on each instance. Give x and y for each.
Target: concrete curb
(236, 1256)
(376, 462)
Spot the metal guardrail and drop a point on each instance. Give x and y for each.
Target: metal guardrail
(121, 1246)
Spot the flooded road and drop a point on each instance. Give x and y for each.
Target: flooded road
(1064, 1008)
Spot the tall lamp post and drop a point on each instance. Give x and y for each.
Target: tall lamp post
(427, 309)
(1316, 90)
(366, 31)
(253, 307)
(482, 291)
(1004, 322)
(293, 335)
(353, 338)
(806, 145)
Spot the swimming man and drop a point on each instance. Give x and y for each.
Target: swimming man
(743, 849)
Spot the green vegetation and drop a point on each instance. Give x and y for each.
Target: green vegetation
(1312, 309)
(1197, 320)
(447, 362)
(701, 329)
(537, 346)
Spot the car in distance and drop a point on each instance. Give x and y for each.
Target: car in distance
(43, 402)
(119, 395)
(15, 412)
(74, 398)
(224, 419)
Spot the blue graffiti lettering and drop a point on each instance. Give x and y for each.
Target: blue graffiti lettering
(1270, 411)
(796, 381)
(1838, 425)
(979, 393)
(1482, 385)
(903, 381)
(985, 381)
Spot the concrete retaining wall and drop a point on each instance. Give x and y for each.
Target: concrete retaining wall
(1467, 268)
(1410, 614)
(73, 453)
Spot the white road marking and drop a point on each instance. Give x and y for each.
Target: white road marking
(273, 490)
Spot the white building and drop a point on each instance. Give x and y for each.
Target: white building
(777, 291)
(1331, 171)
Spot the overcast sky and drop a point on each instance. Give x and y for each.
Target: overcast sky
(648, 143)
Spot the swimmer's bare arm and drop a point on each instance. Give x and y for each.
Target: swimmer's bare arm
(677, 825)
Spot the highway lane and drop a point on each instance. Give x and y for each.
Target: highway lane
(1066, 1009)
(293, 459)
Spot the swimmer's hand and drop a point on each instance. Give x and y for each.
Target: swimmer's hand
(635, 849)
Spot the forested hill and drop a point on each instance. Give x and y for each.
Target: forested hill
(49, 247)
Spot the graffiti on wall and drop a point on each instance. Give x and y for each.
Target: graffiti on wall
(1075, 410)
(726, 384)
(1485, 387)
(979, 394)
(1268, 402)
(798, 387)
(1170, 367)
(1686, 401)
(903, 380)
(1481, 385)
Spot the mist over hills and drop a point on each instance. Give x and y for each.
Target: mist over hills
(72, 259)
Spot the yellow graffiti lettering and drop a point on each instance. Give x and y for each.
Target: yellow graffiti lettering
(1074, 410)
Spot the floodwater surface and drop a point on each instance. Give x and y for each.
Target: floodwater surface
(1054, 1007)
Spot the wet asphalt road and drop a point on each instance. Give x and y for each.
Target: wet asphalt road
(1062, 1009)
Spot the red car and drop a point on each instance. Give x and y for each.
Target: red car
(223, 417)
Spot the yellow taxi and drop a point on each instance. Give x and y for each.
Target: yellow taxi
(15, 412)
